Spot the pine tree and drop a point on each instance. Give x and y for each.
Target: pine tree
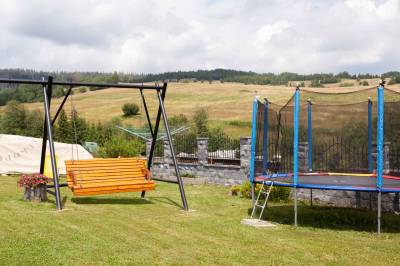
(78, 127)
(63, 130)
(14, 119)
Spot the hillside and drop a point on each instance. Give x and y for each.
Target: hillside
(226, 103)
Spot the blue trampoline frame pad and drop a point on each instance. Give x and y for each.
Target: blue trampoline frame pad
(333, 181)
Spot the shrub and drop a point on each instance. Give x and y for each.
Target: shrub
(82, 89)
(346, 84)
(394, 80)
(189, 175)
(130, 109)
(96, 88)
(177, 121)
(120, 147)
(278, 194)
(364, 83)
(235, 190)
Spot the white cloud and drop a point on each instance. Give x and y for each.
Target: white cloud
(154, 36)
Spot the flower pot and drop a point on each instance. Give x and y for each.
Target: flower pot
(37, 193)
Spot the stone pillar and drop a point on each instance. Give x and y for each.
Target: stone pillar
(245, 155)
(148, 147)
(202, 151)
(303, 157)
(167, 153)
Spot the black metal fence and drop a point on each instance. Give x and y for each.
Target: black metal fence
(394, 160)
(223, 150)
(337, 154)
(186, 148)
(159, 151)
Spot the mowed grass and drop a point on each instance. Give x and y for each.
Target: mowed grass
(124, 229)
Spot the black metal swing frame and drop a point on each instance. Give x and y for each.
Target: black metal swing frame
(47, 86)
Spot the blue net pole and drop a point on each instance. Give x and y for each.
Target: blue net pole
(253, 140)
(296, 149)
(296, 136)
(310, 144)
(380, 137)
(265, 138)
(370, 162)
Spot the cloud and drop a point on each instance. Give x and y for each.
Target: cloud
(155, 36)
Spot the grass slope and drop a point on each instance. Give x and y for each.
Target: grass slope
(123, 229)
(224, 101)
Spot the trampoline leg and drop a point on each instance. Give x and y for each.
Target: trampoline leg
(379, 212)
(295, 206)
(311, 197)
(253, 193)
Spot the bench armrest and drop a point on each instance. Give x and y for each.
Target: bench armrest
(147, 174)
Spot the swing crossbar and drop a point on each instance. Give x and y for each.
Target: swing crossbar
(82, 84)
(106, 176)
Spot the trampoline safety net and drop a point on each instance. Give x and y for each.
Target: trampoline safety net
(337, 133)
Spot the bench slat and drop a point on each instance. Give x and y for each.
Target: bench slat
(89, 193)
(104, 176)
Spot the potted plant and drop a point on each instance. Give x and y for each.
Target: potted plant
(35, 186)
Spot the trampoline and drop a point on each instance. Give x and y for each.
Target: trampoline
(334, 181)
(347, 141)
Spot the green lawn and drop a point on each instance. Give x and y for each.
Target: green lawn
(123, 229)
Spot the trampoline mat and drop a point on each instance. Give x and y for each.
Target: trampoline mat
(338, 182)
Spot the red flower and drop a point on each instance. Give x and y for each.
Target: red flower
(32, 180)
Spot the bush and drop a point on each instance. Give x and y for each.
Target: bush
(394, 80)
(177, 121)
(346, 84)
(120, 147)
(82, 89)
(235, 190)
(96, 88)
(278, 194)
(364, 83)
(130, 109)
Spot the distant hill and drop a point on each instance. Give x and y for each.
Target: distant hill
(26, 93)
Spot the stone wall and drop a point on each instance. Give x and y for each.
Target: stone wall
(363, 200)
(212, 173)
(236, 174)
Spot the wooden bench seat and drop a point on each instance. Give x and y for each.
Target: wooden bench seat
(106, 176)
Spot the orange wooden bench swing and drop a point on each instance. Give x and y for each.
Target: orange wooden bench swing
(103, 176)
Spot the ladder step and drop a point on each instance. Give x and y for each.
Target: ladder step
(265, 192)
(260, 206)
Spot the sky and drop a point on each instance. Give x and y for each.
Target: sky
(303, 36)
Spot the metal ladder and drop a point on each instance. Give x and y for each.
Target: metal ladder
(264, 192)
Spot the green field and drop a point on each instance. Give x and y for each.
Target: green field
(124, 229)
(228, 104)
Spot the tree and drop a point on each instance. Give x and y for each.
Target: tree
(200, 119)
(114, 77)
(130, 109)
(34, 124)
(78, 127)
(14, 119)
(63, 131)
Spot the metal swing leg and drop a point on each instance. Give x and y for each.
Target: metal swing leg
(178, 175)
(47, 89)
